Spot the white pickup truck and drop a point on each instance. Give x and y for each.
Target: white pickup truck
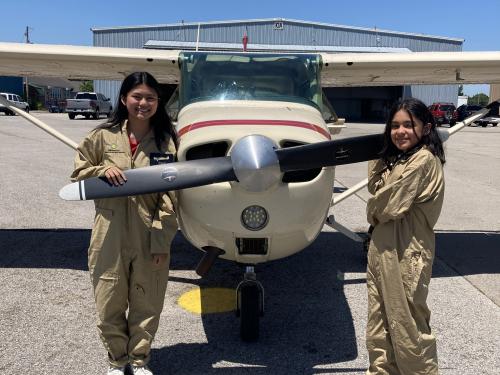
(88, 104)
(16, 101)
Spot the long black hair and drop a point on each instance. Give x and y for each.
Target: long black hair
(416, 109)
(160, 122)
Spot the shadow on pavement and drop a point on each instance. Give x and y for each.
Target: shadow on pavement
(307, 319)
(468, 253)
(308, 322)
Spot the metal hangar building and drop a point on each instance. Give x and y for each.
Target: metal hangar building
(287, 35)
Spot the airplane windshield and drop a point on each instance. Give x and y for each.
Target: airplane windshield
(229, 76)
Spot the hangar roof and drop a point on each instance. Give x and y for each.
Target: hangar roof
(305, 23)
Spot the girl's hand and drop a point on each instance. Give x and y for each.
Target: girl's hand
(159, 260)
(115, 176)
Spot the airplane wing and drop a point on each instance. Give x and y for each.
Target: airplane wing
(82, 62)
(343, 69)
(395, 69)
(79, 62)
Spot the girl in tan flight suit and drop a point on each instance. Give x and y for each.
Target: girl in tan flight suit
(129, 250)
(408, 187)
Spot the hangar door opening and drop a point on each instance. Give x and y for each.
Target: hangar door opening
(363, 104)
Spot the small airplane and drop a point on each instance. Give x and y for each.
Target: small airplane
(256, 158)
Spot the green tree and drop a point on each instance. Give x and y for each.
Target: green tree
(87, 86)
(461, 90)
(480, 99)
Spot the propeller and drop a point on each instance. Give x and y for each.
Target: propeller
(162, 177)
(256, 163)
(330, 153)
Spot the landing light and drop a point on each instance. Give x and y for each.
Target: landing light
(254, 217)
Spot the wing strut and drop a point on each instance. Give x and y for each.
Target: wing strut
(443, 133)
(40, 124)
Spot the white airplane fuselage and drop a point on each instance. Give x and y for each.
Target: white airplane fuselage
(211, 215)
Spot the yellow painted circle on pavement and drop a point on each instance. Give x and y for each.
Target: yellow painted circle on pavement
(208, 300)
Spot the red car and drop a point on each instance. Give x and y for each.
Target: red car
(444, 113)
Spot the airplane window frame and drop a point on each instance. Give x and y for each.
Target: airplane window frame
(239, 76)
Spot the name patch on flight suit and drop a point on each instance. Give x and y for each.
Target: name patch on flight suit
(114, 155)
(113, 147)
(156, 158)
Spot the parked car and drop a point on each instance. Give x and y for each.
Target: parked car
(444, 113)
(16, 101)
(88, 104)
(493, 116)
(56, 106)
(493, 120)
(466, 110)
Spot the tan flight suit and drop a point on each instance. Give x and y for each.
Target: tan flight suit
(126, 232)
(405, 207)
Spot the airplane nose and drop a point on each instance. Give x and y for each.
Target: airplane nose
(255, 163)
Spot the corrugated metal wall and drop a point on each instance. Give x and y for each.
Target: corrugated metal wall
(109, 89)
(293, 33)
(264, 32)
(433, 93)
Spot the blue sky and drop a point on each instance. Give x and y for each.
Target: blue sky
(69, 22)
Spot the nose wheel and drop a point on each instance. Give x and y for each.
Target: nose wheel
(250, 305)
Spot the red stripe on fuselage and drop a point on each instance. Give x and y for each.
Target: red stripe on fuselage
(299, 124)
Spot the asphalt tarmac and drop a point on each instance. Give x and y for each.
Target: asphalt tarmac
(315, 300)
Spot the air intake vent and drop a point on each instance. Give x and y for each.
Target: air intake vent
(208, 150)
(254, 246)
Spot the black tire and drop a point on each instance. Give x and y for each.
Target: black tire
(484, 125)
(249, 312)
(87, 116)
(71, 116)
(494, 124)
(27, 110)
(96, 114)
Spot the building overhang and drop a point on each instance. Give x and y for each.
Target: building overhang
(251, 47)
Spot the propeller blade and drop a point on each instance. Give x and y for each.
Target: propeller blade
(330, 153)
(158, 178)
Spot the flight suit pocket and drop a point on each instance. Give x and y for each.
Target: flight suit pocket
(159, 277)
(106, 294)
(412, 267)
(102, 221)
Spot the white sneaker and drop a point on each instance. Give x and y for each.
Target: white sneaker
(116, 370)
(141, 370)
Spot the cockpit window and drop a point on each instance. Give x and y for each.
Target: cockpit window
(227, 76)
